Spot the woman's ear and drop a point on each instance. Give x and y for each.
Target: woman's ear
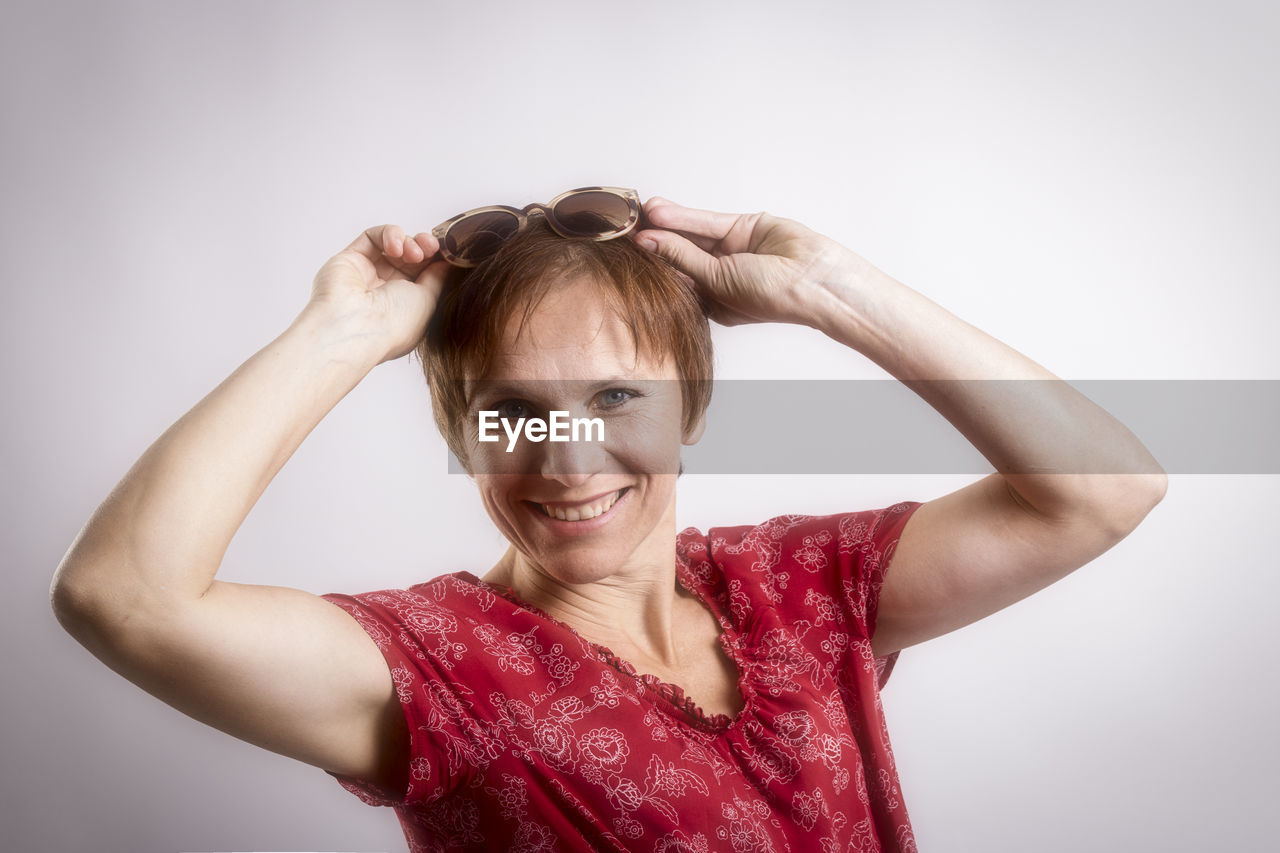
(694, 434)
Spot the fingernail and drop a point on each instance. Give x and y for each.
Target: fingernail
(648, 244)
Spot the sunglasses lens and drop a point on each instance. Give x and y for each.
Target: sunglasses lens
(592, 213)
(477, 237)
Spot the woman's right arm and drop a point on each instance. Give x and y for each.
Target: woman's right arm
(277, 667)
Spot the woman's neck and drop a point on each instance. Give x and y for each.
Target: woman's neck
(632, 611)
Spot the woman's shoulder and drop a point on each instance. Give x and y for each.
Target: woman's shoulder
(455, 591)
(436, 616)
(459, 629)
(802, 537)
(792, 557)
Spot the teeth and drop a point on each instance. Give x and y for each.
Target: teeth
(583, 511)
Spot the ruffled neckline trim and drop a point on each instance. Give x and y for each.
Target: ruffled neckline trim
(673, 694)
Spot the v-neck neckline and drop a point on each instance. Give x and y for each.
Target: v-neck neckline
(729, 638)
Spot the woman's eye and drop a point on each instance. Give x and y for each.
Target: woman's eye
(512, 410)
(615, 397)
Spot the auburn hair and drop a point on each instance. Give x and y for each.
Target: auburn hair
(647, 293)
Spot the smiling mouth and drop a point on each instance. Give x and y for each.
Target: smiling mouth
(585, 510)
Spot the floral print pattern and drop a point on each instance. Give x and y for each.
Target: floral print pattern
(525, 736)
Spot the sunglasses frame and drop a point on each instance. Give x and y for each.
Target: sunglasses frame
(547, 211)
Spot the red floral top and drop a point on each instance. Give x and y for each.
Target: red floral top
(527, 737)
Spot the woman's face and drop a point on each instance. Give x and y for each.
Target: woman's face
(586, 509)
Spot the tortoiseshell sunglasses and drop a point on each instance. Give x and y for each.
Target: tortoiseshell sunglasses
(599, 213)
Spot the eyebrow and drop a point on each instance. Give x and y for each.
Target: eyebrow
(516, 388)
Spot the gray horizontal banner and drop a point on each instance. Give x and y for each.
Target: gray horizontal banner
(884, 426)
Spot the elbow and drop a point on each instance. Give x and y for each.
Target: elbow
(1131, 500)
(79, 590)
(1109, 505)
(1142, 489)
(1118, 502)
(64, 596)
(88, 608)
(1149, 488)
(106, 608)
(1158, 485)
(76, 605)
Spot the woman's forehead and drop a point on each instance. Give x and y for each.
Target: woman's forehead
(572, 333)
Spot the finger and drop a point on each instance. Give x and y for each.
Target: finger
(377, 240)
(728, 318)
(407, 267)
(369, 243)
(427, 241)
(393, 241)
(705, 223)
(434, 275)
(682, 254)
(411, 252)
(706, 244)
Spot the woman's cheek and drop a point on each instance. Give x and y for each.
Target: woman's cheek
(645, 441)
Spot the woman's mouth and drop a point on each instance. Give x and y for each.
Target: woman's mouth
(584, 511)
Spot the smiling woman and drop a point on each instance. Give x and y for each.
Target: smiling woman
(556, 360)
(611, 683)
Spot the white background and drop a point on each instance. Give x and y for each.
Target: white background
(1095, 184)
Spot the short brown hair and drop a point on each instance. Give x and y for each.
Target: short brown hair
(649, 295)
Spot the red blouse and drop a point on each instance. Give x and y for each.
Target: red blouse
(527, 737)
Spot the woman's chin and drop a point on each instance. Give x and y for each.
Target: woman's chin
(581, 551)
(579, 564)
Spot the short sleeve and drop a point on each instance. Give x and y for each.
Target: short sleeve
(394, 620)
(837, 565)
(867, 542)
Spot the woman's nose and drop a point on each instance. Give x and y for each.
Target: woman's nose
(571, 462)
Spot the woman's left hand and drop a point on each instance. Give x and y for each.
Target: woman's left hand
(750, 267)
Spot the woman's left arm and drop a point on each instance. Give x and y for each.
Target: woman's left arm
(969, 553)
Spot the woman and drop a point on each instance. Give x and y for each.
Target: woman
(609, 684)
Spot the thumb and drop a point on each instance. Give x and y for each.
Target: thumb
(433, 275)
(422, 294)
(682, 254)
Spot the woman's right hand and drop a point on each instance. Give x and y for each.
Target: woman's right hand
(384, 285)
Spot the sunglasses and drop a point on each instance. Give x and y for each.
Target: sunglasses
(597, 213)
